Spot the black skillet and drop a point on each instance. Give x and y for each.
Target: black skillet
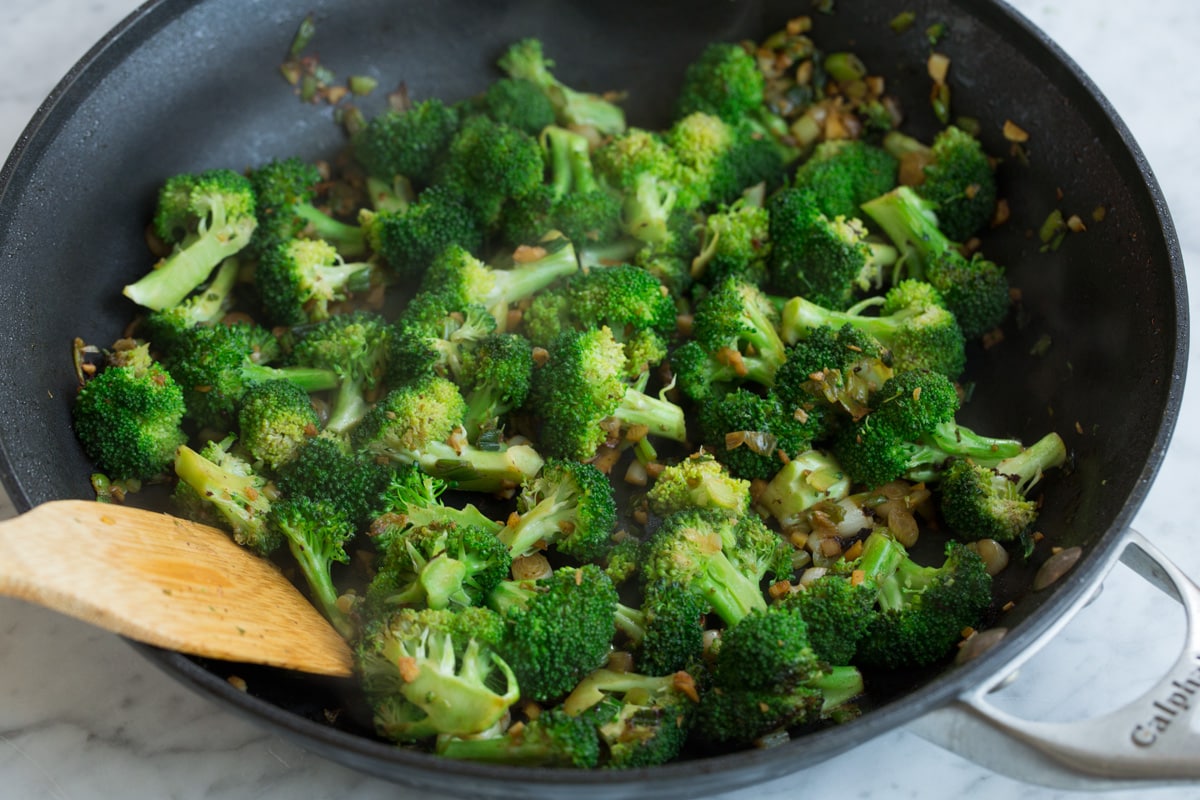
(183, 86)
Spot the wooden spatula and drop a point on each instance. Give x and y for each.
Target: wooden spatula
(167, 582)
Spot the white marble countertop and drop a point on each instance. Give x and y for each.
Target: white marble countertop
(84, 716)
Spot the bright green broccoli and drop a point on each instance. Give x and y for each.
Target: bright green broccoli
(845, 173)
(667, 630)
(912, 433)
(837, 609)
(975, 289)
(736, 244)
(285, 195)
(128, 417)
(214, 366)
(568, 507)
(206, 306)
(719, 161)
(526, 60)
(495, 379)
(517, 102)
(913, 323)
(698, 481)
(956, 176)
(559, 628)
(275, 419)
(644, 720)
(432, 336)
(422, 423)
(316, 533)
(208, 217)
(324, 469)
(827, 260)
(408, 239)
(922, 610)
(842, 367)
(426, 675)
(979, 501)
(357, 347)
(583, 385)
(300, 280)
(407, 143)
(488, 164)
(219, 487)
(753, 434)
(552, 739)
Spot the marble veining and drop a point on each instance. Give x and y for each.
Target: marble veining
(82, 715)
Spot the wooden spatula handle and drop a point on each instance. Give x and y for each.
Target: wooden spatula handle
(167, 582)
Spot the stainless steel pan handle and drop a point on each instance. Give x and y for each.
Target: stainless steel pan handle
(1150, 741)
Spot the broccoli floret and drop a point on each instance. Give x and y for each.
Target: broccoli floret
(922, 610)
(752, 434)
(275, 419)
(698, 481)
(324, 469)
(734, 341)
(206, 306)
(215, 365)
(837, 609)
(954, 174)
(219, 487)
(559, 628)
(913, 323)
(285, 191)
(526, 60)
(208, 217)
(628, 300)
(828, 260)
(723, 80)
(425, 674)
(809, 478)
(490, 163)
(465, 281)
(413, 499)
(432, 336)
(440, 565)
(643, 720)
(572, 202)
(552, 739)
(975, 289)
(421, 423)
(569, 507)
(408, 143)
(767, 678)
(316, 533)
(842, 368)
(912, 432)
(667, 629)
(718, 160)
(844, 173)
(128, 417)
(736, 244)
(517, 102)
(356, 346)
(299, 280)
(495, 379)
(582, 386)
(621, 160)
(981, 502)
(409, 239)
(699, 550)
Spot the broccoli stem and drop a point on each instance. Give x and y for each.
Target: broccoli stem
(1026, 467)
(348, 407)
(729, 591)
(472, 469)
(350, 240)
(646, 213)
(177, 275)
(662, 417)
(912, 225)
(311, 379)
(542, 522)
(528, 278)
(838, 686)
(315, 566)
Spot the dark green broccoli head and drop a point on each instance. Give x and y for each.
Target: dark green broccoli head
(752, 434)
(488, 163)
(844, 366)
(719, 160)
(724, 80)
(495, 379)
(844, 173)
(408, 240)
(519, 103)
(560, 628)
(409, 143)
(673, 638)
(128, 417)
(736, 323)
(736, 244)
(324, 469)
(960, 182)
(837, 611)
(301, 280)
(767, 649)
